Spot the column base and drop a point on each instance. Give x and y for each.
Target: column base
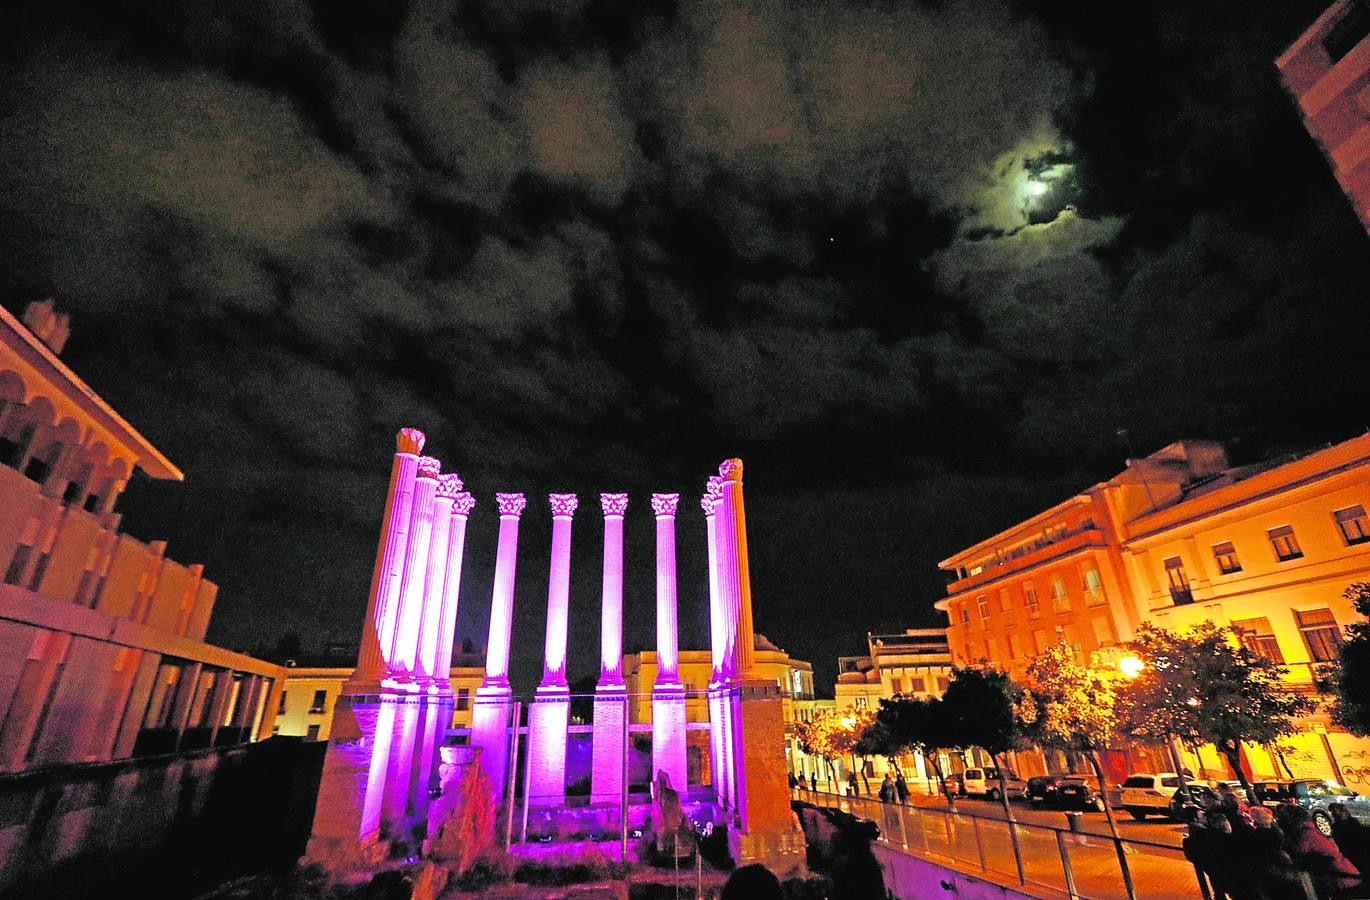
(548, 717)
(668, 736)
(606, 752)
(769, 831)
(490, 716)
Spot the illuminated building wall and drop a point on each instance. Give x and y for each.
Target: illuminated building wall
(1267, 548)
(102, 635)
(305, 706)
(1327, 72)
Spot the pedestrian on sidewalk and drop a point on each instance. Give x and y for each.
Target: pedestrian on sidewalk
(887, 793)
(1353, 838)
(853, 787)
(901, 788)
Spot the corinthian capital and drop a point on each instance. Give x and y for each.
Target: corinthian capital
(510, 504)
(613, 504)
(713, 492)
(731, 469)
(449, 485)
(429, 466)
(409, 440)
(563, 505)
(665, 504)
(462, 504)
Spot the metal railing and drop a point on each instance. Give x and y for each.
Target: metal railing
(1055, 861)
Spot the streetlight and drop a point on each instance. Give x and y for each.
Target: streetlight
(1132, 667)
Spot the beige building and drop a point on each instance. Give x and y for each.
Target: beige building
(305, 706)
(1327, 72)
(1179, 538)
(103, 635)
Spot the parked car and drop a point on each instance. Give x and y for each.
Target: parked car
(1075, 792)
(1041, 789)
(983, 781)
(956, 785)
(1314, 795)
(1150, 794)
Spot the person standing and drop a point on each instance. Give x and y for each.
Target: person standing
(887, 793)
(1353, 839)
(901, 788)
(853, 787)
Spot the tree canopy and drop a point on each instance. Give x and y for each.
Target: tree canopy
(1349, 680)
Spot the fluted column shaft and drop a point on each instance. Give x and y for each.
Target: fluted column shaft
(745, 651)
(667, 631)
(462, 504)
(502, 595)
(558, 590)
(717, 642)
(390, 552)
(430, 625)
(611, 618)
(409, 614)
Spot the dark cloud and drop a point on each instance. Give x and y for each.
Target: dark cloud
(915, 263)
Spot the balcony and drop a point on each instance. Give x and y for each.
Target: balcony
(1041, 551)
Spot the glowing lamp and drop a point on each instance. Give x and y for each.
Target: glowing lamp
(1036, 188)
(848, 721)
(1131, 666)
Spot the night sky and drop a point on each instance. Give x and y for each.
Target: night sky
(597, 246)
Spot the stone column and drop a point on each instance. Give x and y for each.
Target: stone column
(720, 741)
(430, 626)
(606, 778)
(549, 714)
(731, 470)
(668, 694)
(462, 504)
(494, 699)
(385, 576)
(404, 645)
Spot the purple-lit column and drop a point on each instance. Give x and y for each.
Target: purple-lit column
(606, 774)
(719, 740)
(668, 694)
(549, 714)
(430, 625)
(490, 716)
(390, 552)
(745, 650)
(462, 504)
(404, 644)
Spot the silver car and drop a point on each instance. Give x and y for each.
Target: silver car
(1314, 795)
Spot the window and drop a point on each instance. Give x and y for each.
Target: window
(942, 684)
(319, 703)
(1353, 525)
(1285, 544)
(280, 710)
(1179, 582)
(897, 684)
(463, 698)
(1103, 632)
(982, 602)
(1258, 637)
(1015, 646)
(1005, 601)
(1094, 588)
(992, 650)
(1030, 601)
(1060, 599)
(1039, 640)
(1321, 633)
(860, 702)
(965, 615)
(313, 734)
(1226, 555)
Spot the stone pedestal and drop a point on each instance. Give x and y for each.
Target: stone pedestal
(346, 833)
(490, 732)
(606, 774)
(769, 832)
(668, 735)
(548, 716)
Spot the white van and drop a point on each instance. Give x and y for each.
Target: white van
(1145, 794)
(984, 782)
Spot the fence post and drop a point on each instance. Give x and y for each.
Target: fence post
(1122, 867)
(1065, 866)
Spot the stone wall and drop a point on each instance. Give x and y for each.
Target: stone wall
(166, 826)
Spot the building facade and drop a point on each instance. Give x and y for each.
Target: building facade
(103, 634)
(1177, 539)
(1327, 73)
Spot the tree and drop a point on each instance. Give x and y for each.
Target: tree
(1076, 710)
(1348, 681)
(1204, 687)
(921, 725)
(990, 711)
(833, 733)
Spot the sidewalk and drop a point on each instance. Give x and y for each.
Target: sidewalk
(1056, 861)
